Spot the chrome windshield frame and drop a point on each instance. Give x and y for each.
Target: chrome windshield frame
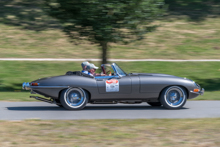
(114, 68)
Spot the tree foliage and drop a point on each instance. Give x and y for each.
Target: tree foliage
(196, 10)
(27, 14)
(105, 21)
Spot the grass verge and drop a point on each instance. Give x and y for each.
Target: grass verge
(141, 132)
(14, 73)
(16, 96)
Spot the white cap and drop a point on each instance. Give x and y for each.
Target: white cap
(86, 63)
(91, 66)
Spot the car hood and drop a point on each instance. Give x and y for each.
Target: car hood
(152, 74)
(157, 75)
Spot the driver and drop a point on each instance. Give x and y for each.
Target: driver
(91, 68)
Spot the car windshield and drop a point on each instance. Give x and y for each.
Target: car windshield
(107, 68)
(119, 70)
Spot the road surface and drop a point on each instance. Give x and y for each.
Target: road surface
(41, 110)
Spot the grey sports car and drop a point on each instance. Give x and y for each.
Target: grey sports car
(75, 89)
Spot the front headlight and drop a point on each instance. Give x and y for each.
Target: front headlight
(197, 85)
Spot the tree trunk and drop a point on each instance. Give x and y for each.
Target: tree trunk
(104, 46)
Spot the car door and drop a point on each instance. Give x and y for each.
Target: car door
(112, 85)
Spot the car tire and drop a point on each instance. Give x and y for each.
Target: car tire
(154, 104)
(173, 97)
(74, 98)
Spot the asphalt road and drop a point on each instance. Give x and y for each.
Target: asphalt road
(41, 110)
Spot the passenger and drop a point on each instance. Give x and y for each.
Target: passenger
(84, 66)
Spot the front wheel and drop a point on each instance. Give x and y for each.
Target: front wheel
(74, 98)
(173, 97)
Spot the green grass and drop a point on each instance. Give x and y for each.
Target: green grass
(14, 73)
(117, 133)
(16, 96)
(214, 95)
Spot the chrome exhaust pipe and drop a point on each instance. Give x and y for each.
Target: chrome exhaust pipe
(51, 101)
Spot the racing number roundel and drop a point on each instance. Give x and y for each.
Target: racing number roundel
(112, 85)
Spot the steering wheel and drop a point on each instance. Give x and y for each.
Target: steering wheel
(109, 72)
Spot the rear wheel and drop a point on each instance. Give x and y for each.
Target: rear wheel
(74, 98)
(154, 104)
(173, 97)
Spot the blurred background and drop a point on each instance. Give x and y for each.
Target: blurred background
(169, 29)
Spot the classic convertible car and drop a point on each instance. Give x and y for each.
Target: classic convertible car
(75, 89)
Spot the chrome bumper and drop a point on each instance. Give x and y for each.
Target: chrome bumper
(201, 92)
(26, 86)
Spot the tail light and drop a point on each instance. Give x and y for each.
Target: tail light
(34, 84)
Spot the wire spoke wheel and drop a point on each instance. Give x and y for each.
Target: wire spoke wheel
(173, 97)
(74, 98)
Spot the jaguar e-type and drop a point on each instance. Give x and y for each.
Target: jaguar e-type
(75, 89)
